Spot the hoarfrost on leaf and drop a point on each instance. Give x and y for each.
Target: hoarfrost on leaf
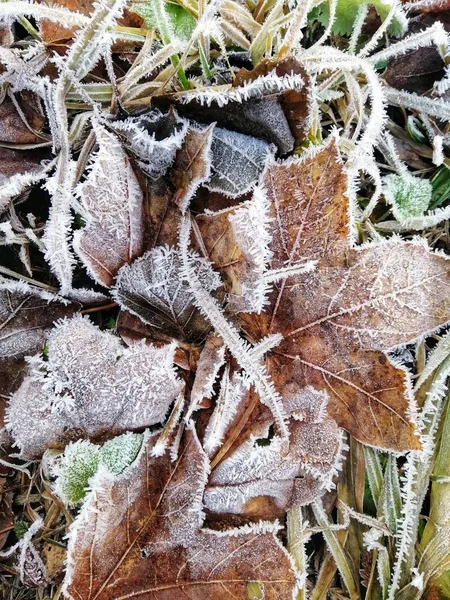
(152, 288)
(112, 201)
(81, 460)
(154, 138)
(409, 196)
(152, 514)
(90, 386)
(237, 161)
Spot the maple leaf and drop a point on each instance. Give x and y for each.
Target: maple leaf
(112, 201)
(152, 289)
(90, 386)
(339, 320)
(141, 534)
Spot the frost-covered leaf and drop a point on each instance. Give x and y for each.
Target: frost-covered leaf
(90, 386)
(262, 107)
(152, 288)
(409, 196)
(18, 171)
(339, 320)
(81, 460)
(112, 200)
(237, 161)
(154, 138)
(192, 164)
(293, 102)
(21, 128)
(141, 533)
(260, 479)
(26, 314)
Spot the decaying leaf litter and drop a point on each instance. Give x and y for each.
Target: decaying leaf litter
(224, 300)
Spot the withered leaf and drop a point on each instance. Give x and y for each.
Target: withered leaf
(17, 129)
(339, 320)
(26, 313)
(90, 386)
(259, 480)
(112, 200)
(192, 164)
(418, 70)
(237, 162)
(141, 533)
(152, 288)
(293, 102)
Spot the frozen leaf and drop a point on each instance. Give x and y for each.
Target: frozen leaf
(339, 320)
(416, 71)
(260, 479)
(141, 534)
(26, 313)
(22, 128)
(90, 386)
(192, 164)
(409, 196)
(293, 102)
(262, 107)
(112, 200)
(154, 138)
(152, 289)
(237, 162)
(81, 460)
(18, 171)
(74, 469)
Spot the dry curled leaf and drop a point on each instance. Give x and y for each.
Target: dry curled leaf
(142, 532)
(339, 320)
(112, 200)
(90, 386)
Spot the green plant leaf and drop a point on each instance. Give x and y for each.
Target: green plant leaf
(180, 20)
(409, 196)
(81, 460)
(347, 11)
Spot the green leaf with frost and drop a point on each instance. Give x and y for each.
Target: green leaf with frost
(347, 11)
(409, 196)
(81, 460)
(118, 454)
(180, 20)
(77, 465)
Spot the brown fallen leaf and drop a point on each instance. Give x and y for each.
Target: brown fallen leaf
(192, 164)
(26, 314)
(20, 129)
(152, 289)
(90, 387)
(339, 320)
(293, 102)
(418, 70)
(112, 199)
(259, 480)
(141, 534)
